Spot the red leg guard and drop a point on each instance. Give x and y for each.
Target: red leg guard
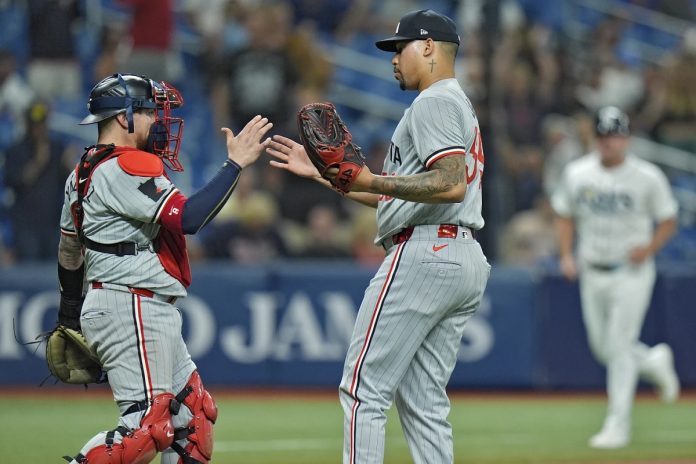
(156, 433)
(204, 410)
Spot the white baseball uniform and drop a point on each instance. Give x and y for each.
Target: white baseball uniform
(409, 326)
(138, 338)
(614, 210)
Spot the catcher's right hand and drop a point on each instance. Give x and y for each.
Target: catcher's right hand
(329, 146)
(70, 359)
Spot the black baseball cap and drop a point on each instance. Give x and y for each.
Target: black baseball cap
(421, 24)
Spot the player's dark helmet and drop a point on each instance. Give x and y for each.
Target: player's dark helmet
(127, 93)
(610, 120)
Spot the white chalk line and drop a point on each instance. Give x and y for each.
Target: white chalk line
(309, 444)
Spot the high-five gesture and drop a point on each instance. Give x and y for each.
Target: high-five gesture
(246, 147)
(292, 157)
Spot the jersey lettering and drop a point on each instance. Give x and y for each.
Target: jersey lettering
(476, 152)
(604, 202)
(394, 154)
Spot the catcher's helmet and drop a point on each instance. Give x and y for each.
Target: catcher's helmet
(120, 93)
(610, 120)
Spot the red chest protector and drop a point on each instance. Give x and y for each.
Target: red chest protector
(169, 245)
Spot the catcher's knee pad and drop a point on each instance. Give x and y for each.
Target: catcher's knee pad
(139, 446)
(199, 430)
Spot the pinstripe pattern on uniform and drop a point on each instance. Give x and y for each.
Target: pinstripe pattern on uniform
(116, 211)
(112, 321)
(421, 320)
(355, 383)
(439, 119)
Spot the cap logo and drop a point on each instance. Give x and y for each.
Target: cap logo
(423, 32)
(397, 28)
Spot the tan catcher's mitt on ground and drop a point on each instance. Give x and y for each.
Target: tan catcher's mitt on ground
(328, 144)
(70, 359)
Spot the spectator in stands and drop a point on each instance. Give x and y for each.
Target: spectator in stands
(326, 239)
(610, 77)
(671, 110)
(529, 237)
(54, 70)
(326, 16)
(221, 26)
(35, 172)
(260, 78)
(246, 228)
(565, 139)
(313, 66)
(255, 239)
(15, 98)
(152, 51)
(110, 50)
(362, 238)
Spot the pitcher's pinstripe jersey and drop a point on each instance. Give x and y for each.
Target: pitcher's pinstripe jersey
(122, 207)
(614, 208)
(440, 122)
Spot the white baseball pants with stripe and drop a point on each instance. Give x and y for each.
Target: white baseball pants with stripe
(141, 347)
(405, 342)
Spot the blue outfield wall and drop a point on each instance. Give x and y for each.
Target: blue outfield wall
(289, 325)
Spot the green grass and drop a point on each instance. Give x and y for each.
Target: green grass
(258, 429)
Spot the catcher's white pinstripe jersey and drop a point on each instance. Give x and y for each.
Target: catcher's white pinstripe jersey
(439, 122)
(122, 207)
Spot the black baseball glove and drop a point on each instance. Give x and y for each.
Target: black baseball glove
(328, 143)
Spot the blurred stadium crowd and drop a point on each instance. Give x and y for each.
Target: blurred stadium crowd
(535, 70)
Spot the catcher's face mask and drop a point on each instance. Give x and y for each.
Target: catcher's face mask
(120, 93)
(165, 133)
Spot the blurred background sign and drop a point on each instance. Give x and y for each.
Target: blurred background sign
(288, 325)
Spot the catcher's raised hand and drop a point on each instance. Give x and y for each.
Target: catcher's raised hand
(291, 156)
(246, 147)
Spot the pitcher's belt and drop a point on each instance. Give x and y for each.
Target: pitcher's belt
(443, 231)
(136, 291)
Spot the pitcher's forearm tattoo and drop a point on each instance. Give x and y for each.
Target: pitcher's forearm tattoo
(446, 174)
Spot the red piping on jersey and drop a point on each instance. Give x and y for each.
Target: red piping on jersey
(443, 154)
(144, 363)
(368, 337)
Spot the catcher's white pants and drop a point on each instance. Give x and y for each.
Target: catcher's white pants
(140, 345)
(614, 304)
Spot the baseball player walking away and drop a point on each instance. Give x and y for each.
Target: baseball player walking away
(122, 211)
(428, 198)
(613, 200)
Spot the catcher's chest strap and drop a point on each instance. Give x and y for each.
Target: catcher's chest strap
(118, 249)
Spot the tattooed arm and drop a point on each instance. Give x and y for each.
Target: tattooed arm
(69, 252)
(444, 183)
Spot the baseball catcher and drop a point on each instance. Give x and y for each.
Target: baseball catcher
(328, 143)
